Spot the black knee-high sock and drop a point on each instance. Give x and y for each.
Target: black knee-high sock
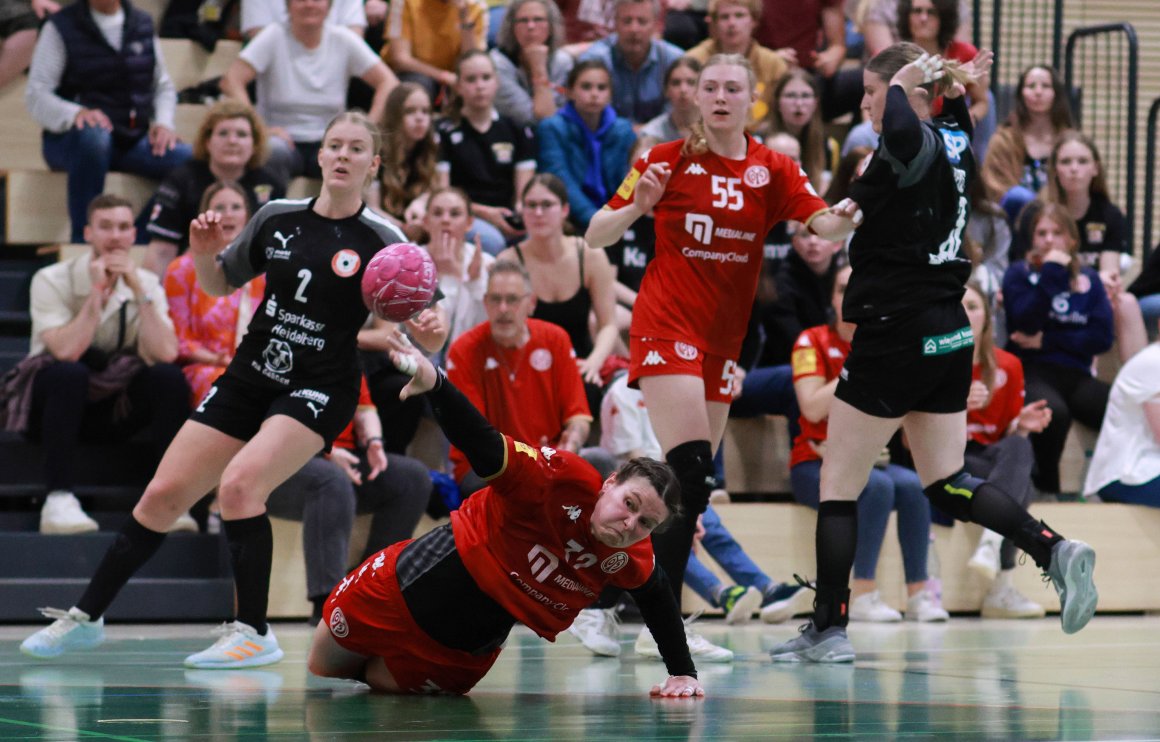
(134, 546)
(693, 464)
(993, 508)
(835, 541)
(251, 542)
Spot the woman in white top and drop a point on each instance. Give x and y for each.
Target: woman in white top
(462, 266)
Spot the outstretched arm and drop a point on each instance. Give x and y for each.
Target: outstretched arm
(662, 615)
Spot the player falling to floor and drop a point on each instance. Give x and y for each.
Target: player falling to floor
(534, 546)
(910, 358)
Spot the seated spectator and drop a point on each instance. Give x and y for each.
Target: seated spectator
(520, 374)
(586, 144)
(102, 109)
(817, 360)
(731, 27)
(1059, 319)
(795, 111)
(635, 60)
(685, 22)
(677, 122)
(423, 39)
(209, 328)
(356, 476)
(485, 153)
(530, 63)
(462, 267)
(410, 157)
(1015, 168)
(570, 280)
(19, 23)
(877, 21)
(230, 146)
(1076, 180)
(302, 69)
(100, 367)
(586, 21)
(998, 423)
(1146, 289)
(1126, 464)
(257, 14)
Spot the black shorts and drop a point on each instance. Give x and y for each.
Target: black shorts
(24, 22)
(238, 408)
(918, 361)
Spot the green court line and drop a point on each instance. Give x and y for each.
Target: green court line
(79, 732)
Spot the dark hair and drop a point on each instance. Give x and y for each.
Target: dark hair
(454, 107)
(1061, 116)
(583, 66)
(108, 201)
(549, 181)
(661, 477)
(683, 61)
(948, 21)
(814, 157)
(217, 187)
(454, 190)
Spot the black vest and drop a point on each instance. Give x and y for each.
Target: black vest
(117, 82)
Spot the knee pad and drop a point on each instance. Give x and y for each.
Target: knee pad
(953, 494)
(692, 462)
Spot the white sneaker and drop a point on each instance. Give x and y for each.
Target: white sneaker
(869, 607)
(240, 646)
(699, 647)
(1004, 601)
(720, 496)
(184, 522)
(922, 607)
(598, 630)
(62, 514)
(985, 561)
(71, 630)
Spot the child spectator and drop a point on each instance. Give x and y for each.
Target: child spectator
(410, 156)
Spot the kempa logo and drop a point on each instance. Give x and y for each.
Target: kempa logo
(695, 169)
(653, 359)
(700, 226)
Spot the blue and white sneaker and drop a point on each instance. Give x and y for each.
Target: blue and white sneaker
(787, 601)
(811, 645)
(70, 630)
(1070, 571)
(240, 645)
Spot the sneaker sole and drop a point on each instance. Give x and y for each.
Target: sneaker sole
(1080, 589)
(800, 602)
(69, 530)
(599, 652)
(259, 661)
(63, 650)
(1001, 613)
(744, 608)
(825, 659)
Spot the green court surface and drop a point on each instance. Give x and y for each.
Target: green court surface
(968, 679)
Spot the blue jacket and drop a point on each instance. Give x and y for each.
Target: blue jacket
(1076, 327)
(562, 154)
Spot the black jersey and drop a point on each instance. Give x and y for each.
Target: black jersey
(305, 331)
(484, 163)
(909, 250)
(635, 250)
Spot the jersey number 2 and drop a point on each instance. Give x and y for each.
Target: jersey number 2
(300, 294)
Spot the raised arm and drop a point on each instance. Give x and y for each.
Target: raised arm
(608, 225)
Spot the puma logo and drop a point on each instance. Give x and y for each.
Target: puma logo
(315, 410)
(278, 236)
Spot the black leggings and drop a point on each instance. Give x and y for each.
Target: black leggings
(1071, 394)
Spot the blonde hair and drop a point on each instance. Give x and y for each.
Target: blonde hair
(1099, 184)
(985, 340)
(1059, 214)
(696, 143)
(224, 110)
(890, 60)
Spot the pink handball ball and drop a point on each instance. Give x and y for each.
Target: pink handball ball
(399, 282)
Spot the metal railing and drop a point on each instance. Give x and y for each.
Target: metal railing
(1150, 175)
(1018, 39)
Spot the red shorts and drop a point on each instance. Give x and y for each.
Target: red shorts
(366, 614)
(653, 357)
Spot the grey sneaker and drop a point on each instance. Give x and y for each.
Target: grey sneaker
(1070, 571)
(811, 645)
(69, 631)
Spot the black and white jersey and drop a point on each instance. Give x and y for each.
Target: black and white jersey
(305, 331)
(909, 250)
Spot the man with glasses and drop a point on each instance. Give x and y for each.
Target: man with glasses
(521, 374)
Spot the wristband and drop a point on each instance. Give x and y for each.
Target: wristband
(374, 439)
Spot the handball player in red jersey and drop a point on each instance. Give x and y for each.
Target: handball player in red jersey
(715, 195)
(535, 546)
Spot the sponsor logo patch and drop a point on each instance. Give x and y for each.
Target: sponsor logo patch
(614, 563)
(937, 345)
(338, 624)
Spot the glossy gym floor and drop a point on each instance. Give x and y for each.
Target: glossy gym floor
(967, 679)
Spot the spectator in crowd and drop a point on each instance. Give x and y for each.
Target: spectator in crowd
(570, 280)
(636, 61)
(520, 373)
(209, 328)
(1015, 168)
(990, 233)
(795, 111)
(356, 476)
(1076, 180)
(998, 423)
(410, 156)
(423, 39)
(257, 14)
(530, 63)
(485, 153)
(1059, 319)
(586, 144)
(731, 27)
(1126, 464)
(677, 121)
(877, 21)
(230, 146)
(19, 21)
(462, 266)
(1146, 289)
(302, 70)
(686, 23)
(586, 21)
(817, 360)
(99, 88)
(100, 367)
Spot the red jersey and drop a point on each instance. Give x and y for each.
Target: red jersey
(346, 439)
(528, 392)
(711, 224)
(990, 424)
(525, 539)
(819, 351)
